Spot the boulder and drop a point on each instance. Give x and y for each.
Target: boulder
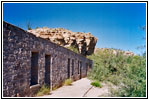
(84, 42)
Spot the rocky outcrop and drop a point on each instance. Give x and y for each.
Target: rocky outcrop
(114, 51)
(129, 53)
(84, 42)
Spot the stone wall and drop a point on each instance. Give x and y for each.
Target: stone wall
(18, 46)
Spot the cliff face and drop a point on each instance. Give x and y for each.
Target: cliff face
(84, 42)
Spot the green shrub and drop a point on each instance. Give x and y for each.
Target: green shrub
(96, 84)
(120, 69)
(29, 26)
(74, 49)
(55, 87)
(116, 80)
(68, 82)
(44, 90)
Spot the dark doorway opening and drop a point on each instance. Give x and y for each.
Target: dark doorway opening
(47, 69)
(80, 69)
(68, 68)
(72, 67)
(90, 66)
(34, 68)
(86, 68)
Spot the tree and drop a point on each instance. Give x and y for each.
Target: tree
(144, 38)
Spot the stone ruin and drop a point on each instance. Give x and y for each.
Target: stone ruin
(84, 42)
(30, 62)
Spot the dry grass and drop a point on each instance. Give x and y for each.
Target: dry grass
(67, 82)
(44, 90)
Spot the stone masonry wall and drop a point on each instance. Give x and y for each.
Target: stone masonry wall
(18, 46)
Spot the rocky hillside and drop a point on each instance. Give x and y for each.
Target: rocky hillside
(114, 51)
(84, 42)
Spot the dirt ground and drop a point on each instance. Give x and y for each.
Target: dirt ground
(80, 88)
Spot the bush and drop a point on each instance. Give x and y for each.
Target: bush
(29, 26)
(44, 90)
(68, 82)
(55, 87)
(96, 84)
(74, 49)
(120, 69)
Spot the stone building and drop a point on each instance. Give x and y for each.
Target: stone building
(30, 62)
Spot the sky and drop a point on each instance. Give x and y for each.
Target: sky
(116, 25)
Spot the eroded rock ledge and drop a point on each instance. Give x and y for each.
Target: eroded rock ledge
(84, 42)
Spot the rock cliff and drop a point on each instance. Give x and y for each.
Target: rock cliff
(84, 42)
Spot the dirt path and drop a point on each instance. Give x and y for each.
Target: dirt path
(80, 88)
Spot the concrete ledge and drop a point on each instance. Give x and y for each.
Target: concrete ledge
(34, 89)
(35, 86)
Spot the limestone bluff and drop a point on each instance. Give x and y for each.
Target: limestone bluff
(84, 42)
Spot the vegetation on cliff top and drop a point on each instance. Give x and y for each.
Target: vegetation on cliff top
(126, 72)
(74, 49)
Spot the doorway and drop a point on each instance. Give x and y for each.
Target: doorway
(80, 69)
(47, 69)
(34, 68)
(68, 68)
